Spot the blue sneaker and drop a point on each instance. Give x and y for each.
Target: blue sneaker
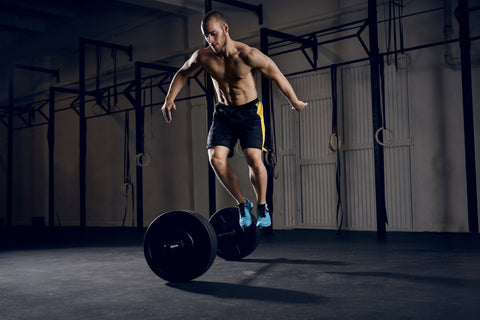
(245, 208)
(263, 217)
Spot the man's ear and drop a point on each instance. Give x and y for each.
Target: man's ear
(226, 27)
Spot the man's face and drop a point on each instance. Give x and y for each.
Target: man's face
(215, 34)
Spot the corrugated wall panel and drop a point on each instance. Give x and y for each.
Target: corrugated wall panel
(396, 102)
(358, 153)
(319, 197)
(315, 128)
(398, 182)
(289, 196)
(312, 86)
(398, 188)
(317, 165)
(308, 167)
(360, 204)
(357, 106)
(287, 130)
(288, 149)
(358, 139)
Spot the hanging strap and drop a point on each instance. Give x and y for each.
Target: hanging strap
(98, 55)
(271, 158)
(382, 88)
(384, 122)
(400, 26)
(115, 89)
(339, 211)
(126, 154)
(127, 179)
(151, 109)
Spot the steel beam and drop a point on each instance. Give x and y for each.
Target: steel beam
(51, 158)
(462, 14)
(212, 198)
(258, 9)
(11, 107)
(267, 105)
(375, 60)
(11, 104)
(83, 120)
(82, 133)
(139, 140)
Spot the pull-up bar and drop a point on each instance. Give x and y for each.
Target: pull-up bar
(239, 4)
(83, 122)
(11, 106)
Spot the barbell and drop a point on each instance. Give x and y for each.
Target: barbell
(180, 246)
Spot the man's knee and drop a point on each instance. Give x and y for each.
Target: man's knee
(254, 158)
(217, 157)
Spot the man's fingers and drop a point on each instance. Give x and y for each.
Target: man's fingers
(167, 113)
(164, 112)
(299, 106)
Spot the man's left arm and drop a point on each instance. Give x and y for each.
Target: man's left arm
(257, 60)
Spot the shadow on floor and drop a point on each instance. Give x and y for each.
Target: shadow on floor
(239, 291)
(456, 282)
(296, 261)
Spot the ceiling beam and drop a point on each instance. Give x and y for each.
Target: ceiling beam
(23, 23)
(41, 7)
(182, 8)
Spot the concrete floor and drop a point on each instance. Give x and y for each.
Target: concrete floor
(299, 274)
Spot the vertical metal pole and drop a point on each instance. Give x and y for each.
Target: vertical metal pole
(140, 140)
(267, 105)
(212, 200)
(208, 6)
(51, 159)
(11, 105)
(83, 135)
(378, 149)
(468, 121)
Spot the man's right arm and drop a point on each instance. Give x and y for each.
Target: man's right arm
(189, 68)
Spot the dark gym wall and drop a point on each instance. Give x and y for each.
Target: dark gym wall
(176, 178)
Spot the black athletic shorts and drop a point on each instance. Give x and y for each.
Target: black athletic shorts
(231, 123)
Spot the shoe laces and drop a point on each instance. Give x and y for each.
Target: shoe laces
(241, 206)
(262, 212)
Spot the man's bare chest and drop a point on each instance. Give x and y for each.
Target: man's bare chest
(228, 70)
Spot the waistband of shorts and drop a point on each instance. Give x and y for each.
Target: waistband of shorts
(252, 103)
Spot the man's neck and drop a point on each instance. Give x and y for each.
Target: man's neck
(229, 50)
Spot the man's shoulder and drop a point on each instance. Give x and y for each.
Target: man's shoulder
(202, 55)
(244, 48)
(204, 52)
(246, 52)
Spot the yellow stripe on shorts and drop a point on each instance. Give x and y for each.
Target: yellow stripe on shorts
(260, 114)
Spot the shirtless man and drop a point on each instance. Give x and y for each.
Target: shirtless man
(238, 113)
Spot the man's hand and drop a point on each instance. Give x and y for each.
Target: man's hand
(167, 110)
(299, 105)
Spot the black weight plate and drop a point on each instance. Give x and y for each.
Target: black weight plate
(234, 242)
(180, 246)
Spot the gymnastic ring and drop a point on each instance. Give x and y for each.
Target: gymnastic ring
(124, 189)
(408, 61)
(331, 146)
(388, 143)
(142, 159)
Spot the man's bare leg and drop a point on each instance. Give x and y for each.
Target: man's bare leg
(259, 179)
(218, 160)
(258, 173)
